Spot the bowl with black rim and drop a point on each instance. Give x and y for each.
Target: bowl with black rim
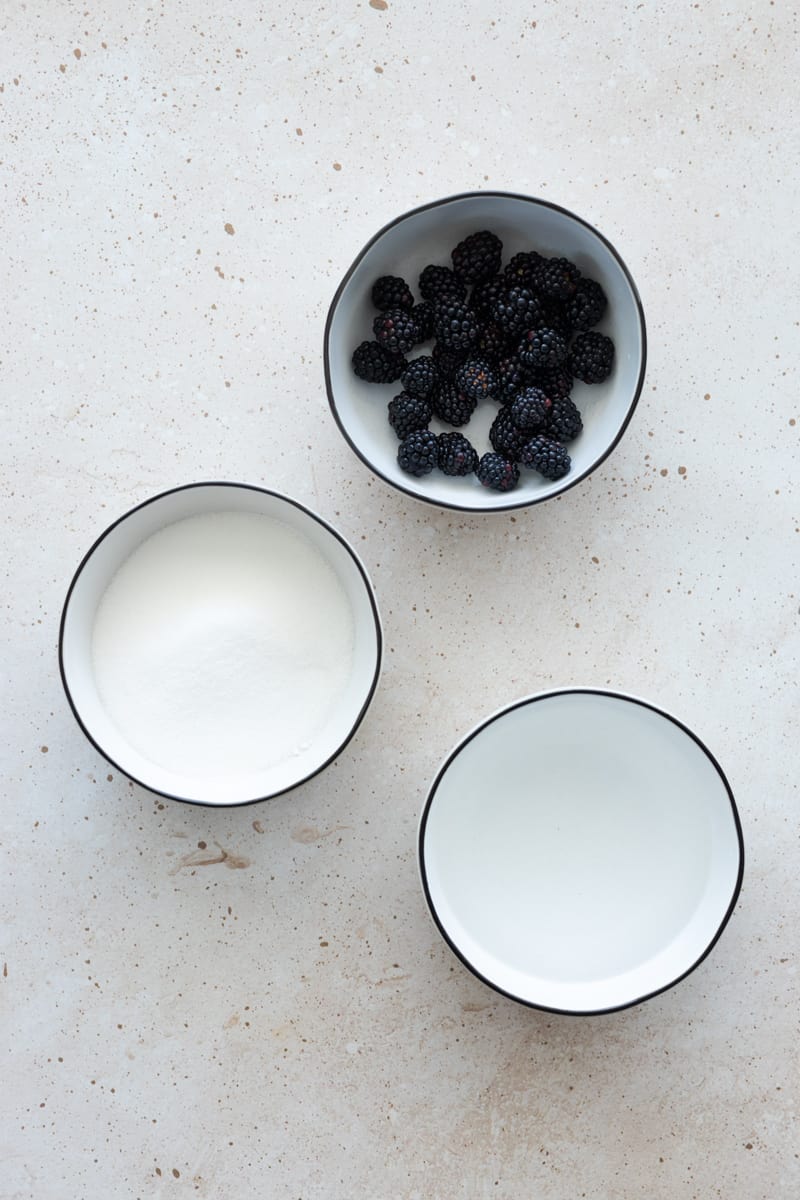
(580, 850)
(427, 236)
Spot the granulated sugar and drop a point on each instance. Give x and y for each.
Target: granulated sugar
(222, 644)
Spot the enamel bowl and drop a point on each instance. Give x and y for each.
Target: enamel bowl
(236, 742)
(427, 235)
(580, 851)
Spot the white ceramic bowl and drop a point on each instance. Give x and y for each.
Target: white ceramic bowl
(427, 235)
(238, 781)
(580, 851)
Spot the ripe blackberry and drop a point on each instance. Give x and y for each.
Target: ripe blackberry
(496, 472)
(454, 324)
(420, 376)
(409, 413)
(390, 291)
(478, 257)
(530, 410)
(396, 330)
(483, 295)
(546, 456)
(505, 437)
(418, 453)
(376, 364)
(564, 421)
(423, 315)
(516, 310)
(522, 268)
(435, 282)
(542, 348)
(475, 378)
(512, 377)
(586, 307)
(592, 357)
(452, 406)
(456, 455)
(447, 360)
(556, 277)
(556, 382)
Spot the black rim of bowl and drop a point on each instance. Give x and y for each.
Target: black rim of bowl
(570, 482)
(247, 487)
(522, 703)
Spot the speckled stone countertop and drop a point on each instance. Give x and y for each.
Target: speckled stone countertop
(183, 187)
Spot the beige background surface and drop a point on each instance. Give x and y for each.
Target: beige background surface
(183, 186)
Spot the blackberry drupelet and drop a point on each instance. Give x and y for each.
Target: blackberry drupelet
(546, 456)
(564, 421)
(420, 376)
(556, 277)
(530, 410)
(586, 307)
(390, 291)
(408, 413)
(456, 455)
(375, 364)
(478, 257)
(396, 330)
(512, 377)
(541, 348)
(435, 282)
(423, 315)
(476, 379)
(452, 406)
(454, 323)
(418, 453)
(496, 472)
(516, 310)
(592, 357)
(505, 437)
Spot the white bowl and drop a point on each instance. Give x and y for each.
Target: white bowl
(239, 769)
(427, 235)
(580, 851)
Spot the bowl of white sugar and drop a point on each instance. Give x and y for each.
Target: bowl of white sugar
(220, 643)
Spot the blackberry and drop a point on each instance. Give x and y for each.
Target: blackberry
(546, 456)
(592, 357)
(454, 324)
(530, 410)
(420, 376)
(452, 406)
(556, 277)
(505, 437)
(587, 306)
(522, 269)
(478, 257)
(554, 316)
(375, 364)
(447, 360)
(423, 315)
(490, 343)
(418, 453)
(564, 421)
(409, 413)
(542, 348)
(435, 282)
(456, 455)
(475, 379)
(556, 382)
(496, 472)
(511, 378)
(516, 310)
(483, 295)
(390, 291)
(396, 330)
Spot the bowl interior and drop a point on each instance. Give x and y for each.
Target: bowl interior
(428, 235)
(580, 851)
(92, 580)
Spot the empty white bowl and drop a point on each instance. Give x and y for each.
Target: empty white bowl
(580, 851)
(235, 610)
(427, 235)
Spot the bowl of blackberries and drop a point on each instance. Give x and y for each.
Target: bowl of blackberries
(485, 351)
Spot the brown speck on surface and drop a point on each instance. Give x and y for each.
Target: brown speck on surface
(306, 834)
(707, 396)
(792, 421)
(62, 67)
(664, 471)
(110, 778)
(5, 970)
(232, 1021)
(201, 845)
(748, 1145)
(337, 166)
(229, 229)
(44, 749)
(299, 131)
(259, 828)
(76, 52)
(381, 5)
(203, 857)
(379, 70)
(158, 1170)
(681, 470)
(322, 943)
(595, 559)
(176, 1172)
